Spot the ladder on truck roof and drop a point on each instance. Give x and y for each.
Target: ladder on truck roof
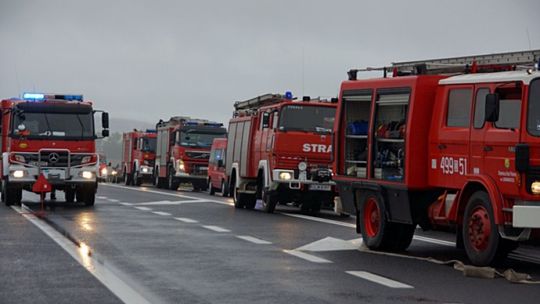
(458, 65)
(257, 102)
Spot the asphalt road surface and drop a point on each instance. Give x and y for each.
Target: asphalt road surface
(146, 245)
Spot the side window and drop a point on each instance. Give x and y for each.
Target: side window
(219, 154)
(265, 120)
(459, 108)
(275, 120)
(480, 108)
(510, 108)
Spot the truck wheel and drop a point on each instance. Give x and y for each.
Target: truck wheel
(172, 184)
(210, 189)
(70, 195)
(481, 239)
(224, 189)
(309, 204)
(269, 201)
(137, 181)
(11, 195)
(376, 230)
(127, 178)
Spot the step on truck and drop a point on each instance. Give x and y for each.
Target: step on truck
(183, 150)
(138, 156)
(446, 143)
(53, 135)
(279, 151)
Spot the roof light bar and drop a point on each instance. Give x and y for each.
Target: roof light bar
(33, 96)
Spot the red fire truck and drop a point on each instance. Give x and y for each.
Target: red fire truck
(450, 142)
(138, 157)
(51, 135)
(279, 150)
(183, 150)
(217, 179)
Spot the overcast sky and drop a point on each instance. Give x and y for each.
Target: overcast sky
(152, 59)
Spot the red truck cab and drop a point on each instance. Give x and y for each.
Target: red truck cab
(217, 179)
(138, 157)
(51, 135)
(279, 150)
(448, 143)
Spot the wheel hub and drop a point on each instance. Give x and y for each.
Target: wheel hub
(372, 217)
(479, 229)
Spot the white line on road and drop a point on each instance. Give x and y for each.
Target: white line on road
(186, 220)
(126, 204)
(82, 256)
(318, 219)
(101, 197)
(378, 279)
(144, 208)
(165, 203)
(216, 228)
(112, 200)
(161, 213)
(253, 240)
(306, 256)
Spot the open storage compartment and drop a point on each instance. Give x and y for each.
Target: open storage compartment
(357, 119)
(389, 134)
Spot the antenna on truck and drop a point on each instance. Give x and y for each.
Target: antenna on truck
(496, 62)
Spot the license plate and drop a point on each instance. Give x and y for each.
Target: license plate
(317, 187)
(54, 173)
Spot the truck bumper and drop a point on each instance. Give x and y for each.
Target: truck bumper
(61, 178)
(526, 216)
(189, 178)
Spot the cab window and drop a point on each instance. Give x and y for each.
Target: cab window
(510, 108)
(459, 108)
(480, 108)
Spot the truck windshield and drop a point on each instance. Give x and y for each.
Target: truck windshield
(54, 125)
(307, 118)
(195, 139)
(533, 120)
(149, 145)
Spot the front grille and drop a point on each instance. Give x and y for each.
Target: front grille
(199, 169)
(53, 159)
(62, 159)
(198, 154)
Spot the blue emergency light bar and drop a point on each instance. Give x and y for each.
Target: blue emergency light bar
(41, 96)
(151, 131)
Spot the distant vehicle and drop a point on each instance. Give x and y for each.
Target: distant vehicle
(103, 170)
(279, 150)
(217, 179)
(453, 143)
(183, 150)
(53, 135)
(138, 157)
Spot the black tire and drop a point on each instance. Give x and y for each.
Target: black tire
(70, 195)
(11, 195)
(127, 178)
(269, 201)
(210, 189)
(137, 181)
(87, 195)
(172, 183)
(481, 240)
(224, 189)
(377, 232)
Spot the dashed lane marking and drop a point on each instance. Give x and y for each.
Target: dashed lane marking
(186, 220)
(161, 213)
(253, 240)
(126, 204)
(165, 203)
(216, 228)
(307, 256)
(101, 197)
(112, 200)
(82, 254)
(378, 279)
(144, 208)
(321, 220)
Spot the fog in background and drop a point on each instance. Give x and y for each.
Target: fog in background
(146, 60)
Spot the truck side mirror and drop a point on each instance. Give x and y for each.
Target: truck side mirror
(105, 133)
(522, 157)
(492, 107)
(220, 163)
(105, 120)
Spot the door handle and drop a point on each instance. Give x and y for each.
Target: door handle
(488, 148)
(441, 146)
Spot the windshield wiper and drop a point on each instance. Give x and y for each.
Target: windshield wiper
(48, 125)
(82, 127)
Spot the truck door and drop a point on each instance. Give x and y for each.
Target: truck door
(453, 136)
(498, 139)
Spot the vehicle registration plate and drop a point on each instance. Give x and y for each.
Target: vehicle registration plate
(317, 187)
(54, 173)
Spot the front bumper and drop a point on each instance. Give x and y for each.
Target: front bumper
(184, 177)
(526, 215)
(300, 183)
(55, 176)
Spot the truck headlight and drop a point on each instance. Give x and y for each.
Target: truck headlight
(285, 175)
(181, 166)
(114, 173)
(104, 171)
(18, 173)
(144, 169)
(535, 187)
(302, 166)
(87, 174)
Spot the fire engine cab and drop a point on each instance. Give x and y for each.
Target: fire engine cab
(279, 150)
(138, 157)
(51, 135)
(183, 150)
(443, 143)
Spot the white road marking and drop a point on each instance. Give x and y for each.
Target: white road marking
(186, 220)
(318, 219)
(306, 256)
(378, 279)
(101, 197)
(144, 208)
(331, 244)
(161, 213)
(216, 228)
(434, 241)
(126, 204)
(165, 203)
(112, 200)
(253, 240)
(143, 189)
(83, 256)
